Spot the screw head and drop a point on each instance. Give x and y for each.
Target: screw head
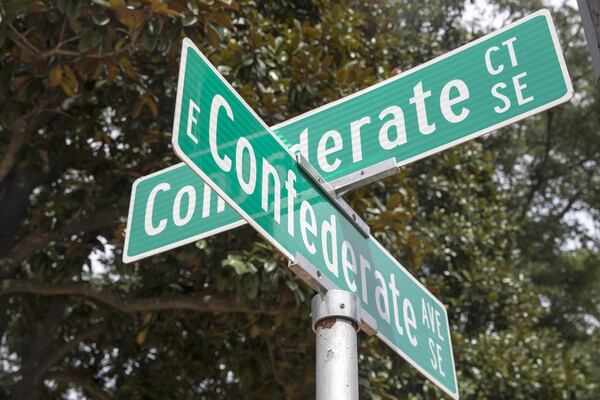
(342, 305)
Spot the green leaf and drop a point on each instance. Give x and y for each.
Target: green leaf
(100, 18)
(247, 60)
(140, 338)
(71, 8)
(240, 266)
(188, 19)
(283, 57)
(149, 41)
(154, 27)
(270, 265)
(89, 41)
(278, 42)
(292, 285)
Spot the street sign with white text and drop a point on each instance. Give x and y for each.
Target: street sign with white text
(491, 82)
(222, 140)
(170, 208)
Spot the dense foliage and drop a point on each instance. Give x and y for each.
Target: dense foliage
(495, 228)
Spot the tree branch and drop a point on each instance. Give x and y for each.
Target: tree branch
(574, 198)
(20, 40)
(539, 173)
(27, 246)
(61, 352)
(20, 134)
(193, 302)
(86, 384)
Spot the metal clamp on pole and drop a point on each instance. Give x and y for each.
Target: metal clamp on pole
(335, 304)
(335, 320)
(320, 283)
(330, 192)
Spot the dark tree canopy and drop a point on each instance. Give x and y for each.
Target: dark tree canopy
(504, 230)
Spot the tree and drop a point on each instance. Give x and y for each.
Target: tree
(549, 168)
(89, 89)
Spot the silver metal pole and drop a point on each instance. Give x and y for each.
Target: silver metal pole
(335, 320)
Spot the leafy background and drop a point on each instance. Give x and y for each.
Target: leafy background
(503, 229)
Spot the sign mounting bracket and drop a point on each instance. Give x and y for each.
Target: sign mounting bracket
(363, 177)
(331, 193)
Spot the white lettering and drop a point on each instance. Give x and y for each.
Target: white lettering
(193, 108)
(409, 321)
(329, 229)
(511, 50)
(269, 170)
(355, 136)
(434, 362)
(309, 225)
(395, 298)
(302, 146)
(519, 89)
(217, 102)
(446, 102)
(191, 192)
(323, 151)
(488, 61)
(220, 204)
(424, 318)
(500, 96)
(348, 264)
(291, 197)
(364, 265)
(249, 185)
(152, 230)
(436, 356)
(206, 201)
(381, 293)
(438, 325)
(431, 313)
(419, 101)
(396, 122)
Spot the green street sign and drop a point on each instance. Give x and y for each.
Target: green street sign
(223, 141)
(170, 208)
(489, 83)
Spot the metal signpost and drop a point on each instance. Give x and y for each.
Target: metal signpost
(489, 83)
